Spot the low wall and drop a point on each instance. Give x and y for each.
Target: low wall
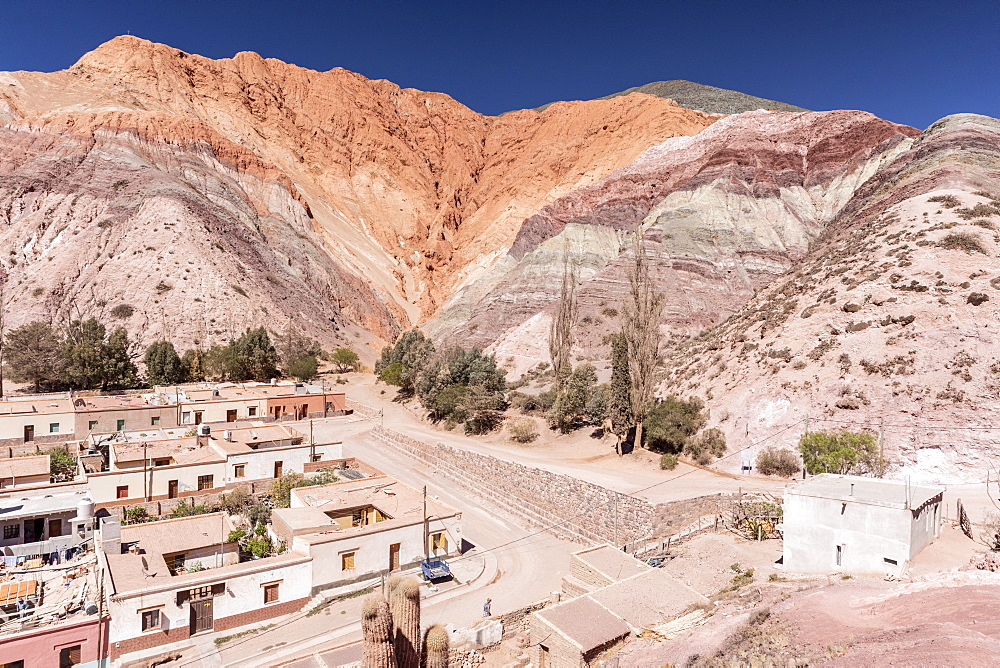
(160, 507)
(565, 506)
(362, 409)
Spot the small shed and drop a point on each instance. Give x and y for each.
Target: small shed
(857, 525)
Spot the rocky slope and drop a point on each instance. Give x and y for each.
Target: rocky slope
(173, 184)
(707, 98)
(723, 212)
(889, 324)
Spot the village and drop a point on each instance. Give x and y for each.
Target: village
(242, 524)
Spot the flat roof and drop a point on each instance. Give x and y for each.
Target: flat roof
(43, 406)
(181, 450)
(33, 506)
(586, 623)
(610, 562)
(19, 467)
(181, 534)
(859, 489)
(402, 505)
(647, 599)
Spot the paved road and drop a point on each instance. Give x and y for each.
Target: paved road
(522, 566)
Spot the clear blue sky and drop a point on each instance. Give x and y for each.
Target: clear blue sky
(907, 61)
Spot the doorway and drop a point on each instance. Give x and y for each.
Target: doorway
(278, 467)
(55, 528)
(33, 530)
(29, 432)
(171, 489)
(198, 416)
(230, 416)
(69, 656)
(201, 616)
(394, 557)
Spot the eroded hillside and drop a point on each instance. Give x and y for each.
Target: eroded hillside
(147, 177)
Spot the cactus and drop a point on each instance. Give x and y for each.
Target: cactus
(406, 619)
(436, 647)
(376, 625)
(390, 585)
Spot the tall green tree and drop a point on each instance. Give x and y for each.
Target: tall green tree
(163, 364)
(119, 370)
(570, 409)
(672, 422)
(193, 365)
(346, 360)
(620, 396)
(844, 452)
(411, 352)
(252, 356)
(303, 368)
(561, 333)
(642, 313)
(33, 354)
(83, 351)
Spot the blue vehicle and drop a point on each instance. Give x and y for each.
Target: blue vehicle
(435, 568)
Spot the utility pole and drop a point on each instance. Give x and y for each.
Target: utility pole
(145, 474)
(426, 552)
(312, 444)
(881, 447)
(3, 331)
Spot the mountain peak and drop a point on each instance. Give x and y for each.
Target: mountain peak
(710, 99)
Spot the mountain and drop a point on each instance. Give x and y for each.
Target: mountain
(190, 197)
(887, 324)
(725, 213)
(706, 98)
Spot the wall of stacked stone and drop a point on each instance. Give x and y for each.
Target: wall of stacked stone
(579, 510)
(161, 508)
(362, 409)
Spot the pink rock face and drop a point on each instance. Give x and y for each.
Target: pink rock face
(364, 202)
(886, 325)
(725, 212)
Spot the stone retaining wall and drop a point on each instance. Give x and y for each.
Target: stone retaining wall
(362, 409)
(563, 505)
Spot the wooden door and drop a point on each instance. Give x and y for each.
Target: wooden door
(201, 616)
(172, 489)
(230, 416)
(197, 416)
(394, 557)
(29, 432)
(55, 528)
(69, 656)
(277, 469)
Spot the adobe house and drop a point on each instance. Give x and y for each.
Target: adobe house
(172, 580)
(856, 525)
(357, 529)
(42, 418)
(20, 471)
(614, 597)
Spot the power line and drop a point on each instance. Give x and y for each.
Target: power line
(507, 545)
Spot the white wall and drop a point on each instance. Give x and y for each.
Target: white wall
(260, 463)
(103, 486)
(12, 426)
(926, 526)
(215, 411)
(868, 534)
(244, 593)
(371, 550)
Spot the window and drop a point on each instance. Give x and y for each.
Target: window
(240, 471)
(53, 427)
(154, 421)
(206, 482)
(92, 425)
(317, 458)
(271, 592)
(346, 560)
(252, 411)
(186, 417)
(120, 425)
(840, 555)
(174, 562)
(439, 541)
(12, 531)
(150, 619)
(69, 656)
(161, 462)
(13, 664)
(122, 492)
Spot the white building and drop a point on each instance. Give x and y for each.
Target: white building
(357, 529)
(174, 579)
(850, 524)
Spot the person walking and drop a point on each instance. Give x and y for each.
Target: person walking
(486, 607)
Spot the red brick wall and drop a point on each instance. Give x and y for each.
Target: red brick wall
(148, 640)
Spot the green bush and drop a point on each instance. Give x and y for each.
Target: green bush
(189, 510)
(668, 462)
(707, 446)
(523, 430)
(61, 462)
(842, 452)
(778, 461)
(346, 360)
(671, 422)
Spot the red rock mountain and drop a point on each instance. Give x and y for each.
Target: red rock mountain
(192, 197)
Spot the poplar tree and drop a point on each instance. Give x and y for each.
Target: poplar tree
(641, 328)
(564, 322)
(620, 401)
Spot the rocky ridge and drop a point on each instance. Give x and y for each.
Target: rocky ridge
(887, 325)
(707, 98)
(328, 196)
